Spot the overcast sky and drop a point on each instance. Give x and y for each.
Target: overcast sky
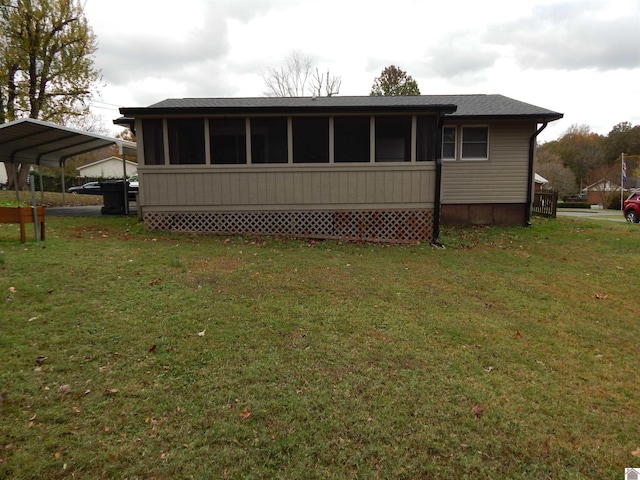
(578, 57)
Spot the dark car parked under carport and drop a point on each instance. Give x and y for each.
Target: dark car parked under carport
(91, 188)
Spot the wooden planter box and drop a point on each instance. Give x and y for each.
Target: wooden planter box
(23, 216)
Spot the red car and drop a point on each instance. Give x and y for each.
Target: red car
(631, 208)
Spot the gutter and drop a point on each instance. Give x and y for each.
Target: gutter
(532, 150)
(438, 192)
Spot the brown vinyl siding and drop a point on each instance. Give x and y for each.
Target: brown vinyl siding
(289, 187)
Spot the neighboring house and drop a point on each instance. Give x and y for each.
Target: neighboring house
(386, 169)
(600, 191)
(540, 182)
(110, 167)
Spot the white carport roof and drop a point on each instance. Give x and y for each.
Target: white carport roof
(44, 143)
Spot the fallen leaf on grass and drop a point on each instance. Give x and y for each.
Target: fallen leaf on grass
(152, 349)
(477, 410)
(64, 389)
(12, 289)
(636, 452)
(201, 334)
(111, 391)
(155, 281)
(40, 360)
(245, 413)
(518, 335)
(601, 296)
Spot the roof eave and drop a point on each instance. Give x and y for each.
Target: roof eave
(130, 113)
(539, 118)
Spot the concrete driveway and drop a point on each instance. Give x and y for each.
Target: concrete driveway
(610, 215)
(86, 211)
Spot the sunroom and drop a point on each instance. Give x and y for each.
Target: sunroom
(352, 168)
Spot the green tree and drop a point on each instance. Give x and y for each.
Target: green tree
(394, 81)
(623, 138)
(46, 64)
(579, 149)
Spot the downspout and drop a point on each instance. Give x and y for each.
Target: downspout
(438, 193)
(532, 150)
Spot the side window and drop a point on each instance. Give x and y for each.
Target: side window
(449, 143)
(475, 143)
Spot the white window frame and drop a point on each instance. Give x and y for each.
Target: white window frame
(462, 143)
(455, 143)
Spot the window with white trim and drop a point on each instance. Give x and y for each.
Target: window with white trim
(449, 143)
(475, 143)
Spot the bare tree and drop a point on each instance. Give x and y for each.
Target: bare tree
(289, 80)
(561, 178)
(296, 79)
(330, 84)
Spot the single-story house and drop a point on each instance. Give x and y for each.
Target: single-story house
(540, 182)
(387, 168)
(110, 167)
(598, 192)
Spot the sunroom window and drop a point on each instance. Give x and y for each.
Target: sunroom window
(351, 139)
(153, 140)
(310, 139)
(228, 141)
(393, 139)
(425, 130)
(186, 141)
(269, 140)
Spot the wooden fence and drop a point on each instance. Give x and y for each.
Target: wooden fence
(545, 203)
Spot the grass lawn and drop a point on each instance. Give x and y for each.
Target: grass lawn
(510, 354)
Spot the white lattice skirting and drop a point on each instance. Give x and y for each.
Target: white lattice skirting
(384, 226)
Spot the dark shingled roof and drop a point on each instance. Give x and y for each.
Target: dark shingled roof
(457, 106)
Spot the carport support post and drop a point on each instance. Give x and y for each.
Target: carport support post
(64, 202)
(126, 185)
(32, 184)
(623, 171)
(41, 186)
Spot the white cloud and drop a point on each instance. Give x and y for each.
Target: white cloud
(578, 57)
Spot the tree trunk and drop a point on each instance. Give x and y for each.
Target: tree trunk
(20, 171)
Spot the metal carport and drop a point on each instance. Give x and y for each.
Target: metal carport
(37, 142)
